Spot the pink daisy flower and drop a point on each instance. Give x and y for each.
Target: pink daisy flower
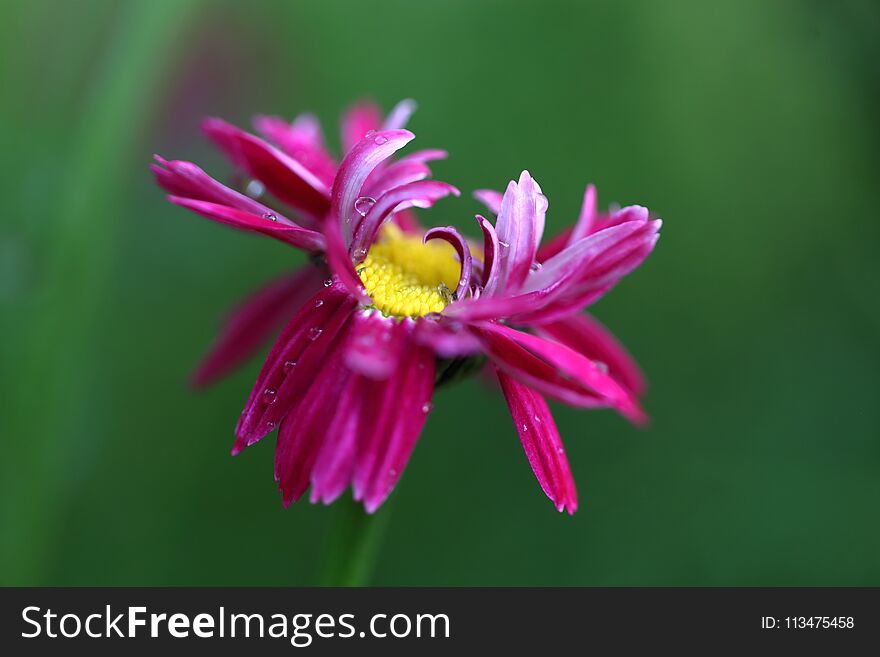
(349, 382)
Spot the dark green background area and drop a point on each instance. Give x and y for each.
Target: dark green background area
(750, 127)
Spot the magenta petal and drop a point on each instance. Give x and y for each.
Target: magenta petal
(301, 238)
(586, 335)
(286, 178)
(519, 228)
(372, 348)
(186, 180)
(398, 409)
(452, 236)
(318, 415)
(423, 193)
(340, 262)
(587, 219)
(358, 164)
(400, 115)
(446, 339)
(490, 253)
(358, 121)
(407, 169)
(292, 364)
(576, 367)
(255, 321)
(541, 442)
(490, 198)
(302, 140)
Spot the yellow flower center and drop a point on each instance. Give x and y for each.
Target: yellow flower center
(406, 278)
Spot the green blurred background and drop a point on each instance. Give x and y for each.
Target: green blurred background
(749, 126)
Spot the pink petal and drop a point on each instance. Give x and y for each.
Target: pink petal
(422, 193)
(340, 262)
(540, 439)
(302, 140)
(407, 169)
(295, 359)
(576, 367)
(399, 406)
(490, 252)
(587, 219)
(400, 115)
(519, 228)
(284, 177)
(372, 348)
(254, 321)
(358, 121)
(586, 335)
(301, 238)
(446, 339)
(490, 198)
(185, 179)
(450, 235)
(360, 161)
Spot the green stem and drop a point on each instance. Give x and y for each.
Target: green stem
(354, 545)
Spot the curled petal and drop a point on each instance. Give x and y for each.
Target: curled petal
(540, 440)
(490, 252)
(341, 264)
(301, 238)
(490, 198)
(447, 339)
(452, 236)
(255, 321)
(358, 121)
(423, 193)
(360, 161)
(400, 114)
(286, 178)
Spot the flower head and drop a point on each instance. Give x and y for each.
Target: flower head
(349, 382)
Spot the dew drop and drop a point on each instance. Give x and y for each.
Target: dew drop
(559, 450)
(360, 254)
(270, 425)
(380, 139)
(289, 365)
(269, 395)
(255, 189)
(525, 427)
(536, 266)
(503, 245)
(314, 333)
(392, 472)
(602, 367)
(427, 407)
(270, 216)
(370, 133)
(328, 282)
(319, 303)
(364, 203)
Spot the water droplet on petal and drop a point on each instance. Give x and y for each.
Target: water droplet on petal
(559, 450)
(255, 189)
(525, 427)
(370, 133)
(270, 425)
(363, 204)
(427, 407)
(314, 333)
(319, 303)
(360, 254)
(328, 282)
(270, 216)
(392, 472)
(380, 139)
(503, 245)
(602, 367)
(536, 266)
(269, 395)
(289, 365)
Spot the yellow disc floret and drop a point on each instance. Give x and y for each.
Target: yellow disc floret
(406, 278)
